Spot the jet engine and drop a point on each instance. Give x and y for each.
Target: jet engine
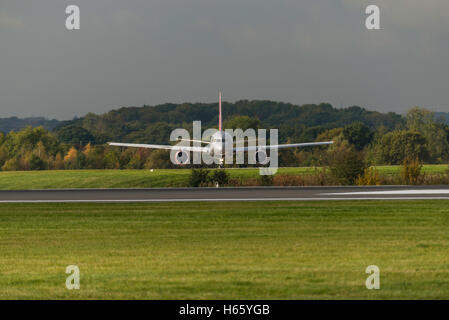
(261, 157)
(182, 157)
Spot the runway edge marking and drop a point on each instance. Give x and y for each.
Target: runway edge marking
(219, 200)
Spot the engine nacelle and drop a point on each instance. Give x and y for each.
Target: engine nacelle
(182, 157)
(261, 157)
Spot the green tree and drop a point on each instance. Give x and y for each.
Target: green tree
(159, 159)
(81, 161)
(75, 135)
(11, 165)
(136, 162)
(287, 157)
(425, 122)
(447, 134)
(330, 135)
(242, 122)
(3, 156)
(399, 145)
(26, 140)
(298, 123)
(112, 159)
(358, 135)
(36, 163)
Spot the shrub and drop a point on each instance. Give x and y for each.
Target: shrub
(346, 164)
(266, 180)
(411, 172)
(370, 177)
(435, 179)
(244, 182)
(198, 177)
(320, 178)
(288, 180)
(220, 176)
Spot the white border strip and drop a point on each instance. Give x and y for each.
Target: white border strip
(391, 192)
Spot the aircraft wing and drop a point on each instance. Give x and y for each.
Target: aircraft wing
(281, 146)
(157, 146)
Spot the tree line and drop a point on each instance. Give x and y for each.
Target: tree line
(154, 123)
(360, 141)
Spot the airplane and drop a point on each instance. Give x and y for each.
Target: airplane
(219, 146)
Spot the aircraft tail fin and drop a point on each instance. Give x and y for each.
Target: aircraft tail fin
(219, 110)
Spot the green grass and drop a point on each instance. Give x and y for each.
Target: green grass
(22, 180)
(430, 169)
(238, 250)
(61, 179)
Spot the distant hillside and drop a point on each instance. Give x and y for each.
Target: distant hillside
(154, 124)
(14, 123)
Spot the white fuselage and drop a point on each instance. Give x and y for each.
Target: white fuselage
(221, 145)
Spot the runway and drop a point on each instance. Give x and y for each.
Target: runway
(228, 194)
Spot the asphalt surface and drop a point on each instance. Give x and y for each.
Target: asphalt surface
(228, 194)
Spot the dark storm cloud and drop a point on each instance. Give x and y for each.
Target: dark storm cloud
(148, 52)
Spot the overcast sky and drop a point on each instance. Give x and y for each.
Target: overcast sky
(135, 52)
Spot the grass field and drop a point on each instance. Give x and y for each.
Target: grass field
(21, 180)
(248, 250)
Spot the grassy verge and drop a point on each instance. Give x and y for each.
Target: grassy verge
(262, 250)
(21, 180)
(427, 169)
